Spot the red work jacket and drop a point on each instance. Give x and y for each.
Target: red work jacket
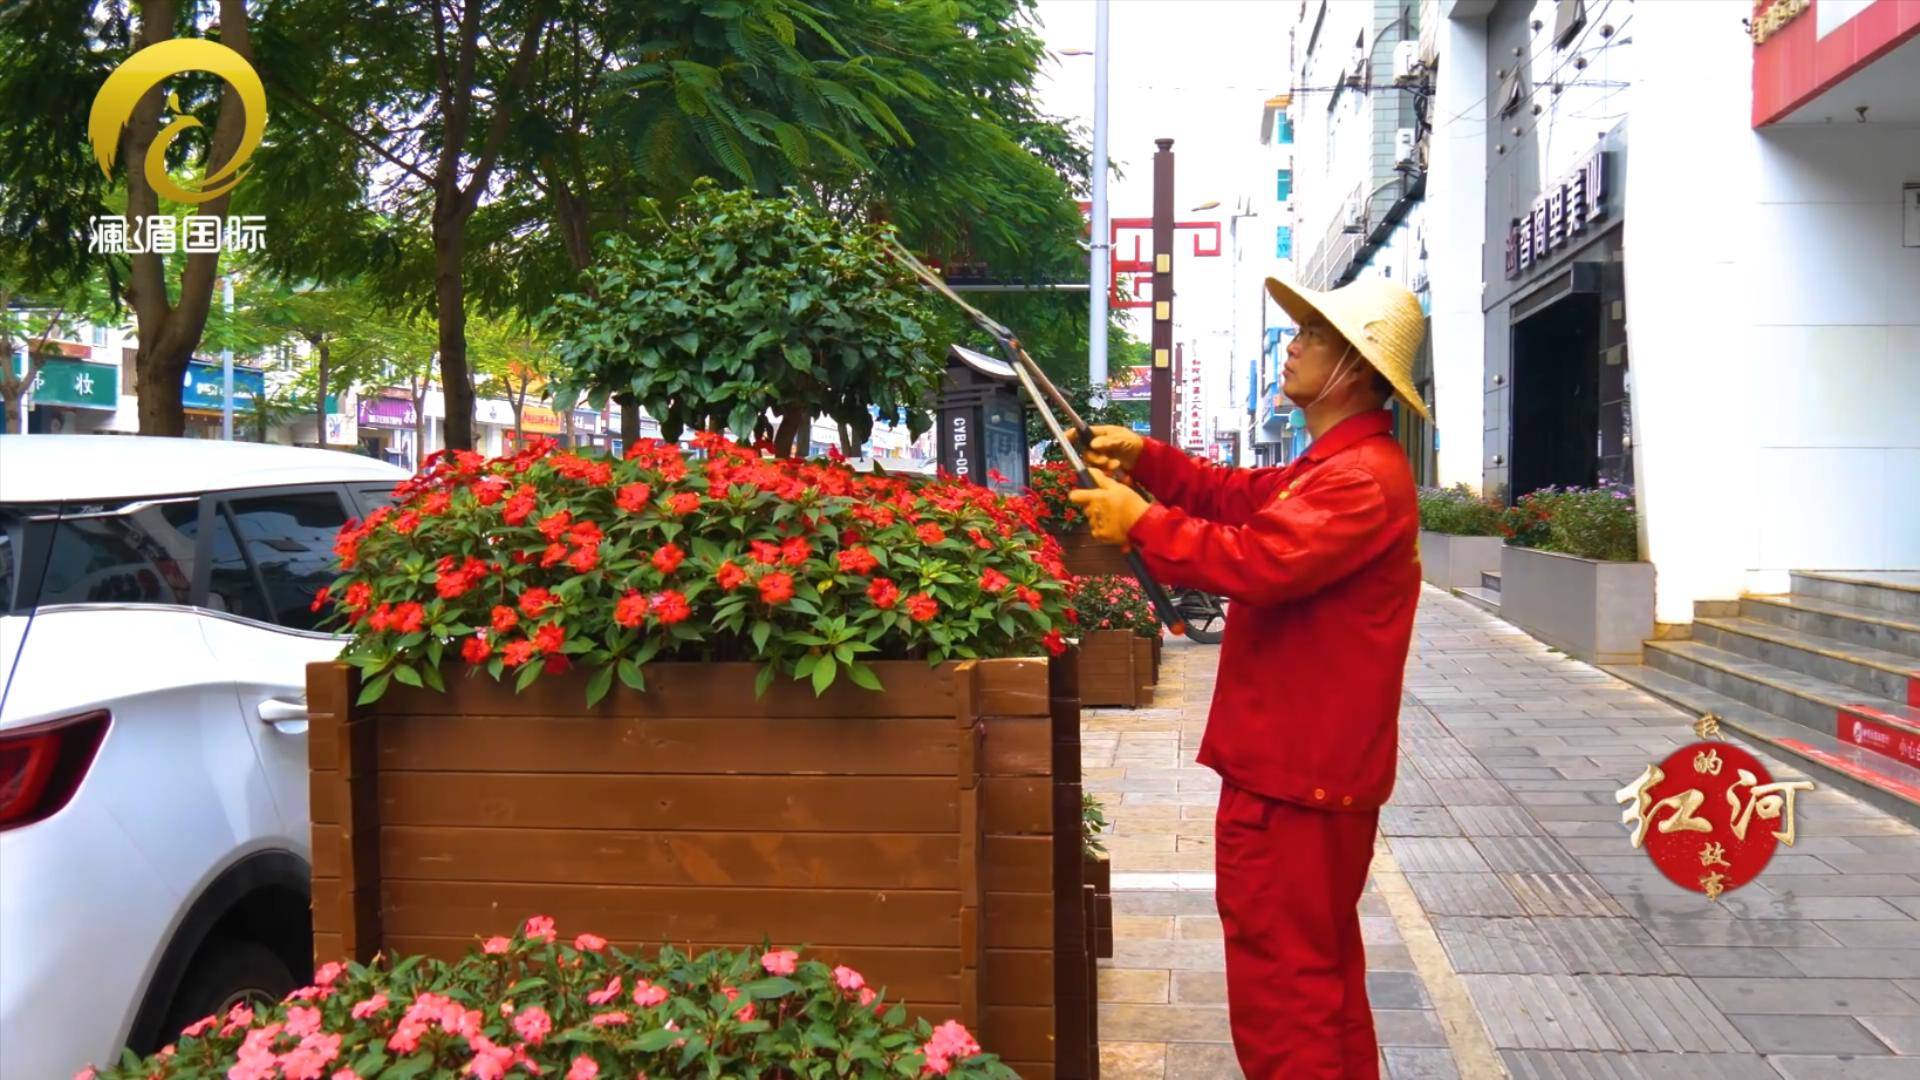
(1321, 565)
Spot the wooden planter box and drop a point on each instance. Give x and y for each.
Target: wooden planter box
(1100, 877)
(1599, 612)
(1110, 669)
(1085, 556)
(1144, 670)
(920, 834)
(1450, 562)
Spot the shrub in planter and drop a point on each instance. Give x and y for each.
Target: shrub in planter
(1591, 523)
(545, 561)
(536, 1004)
(1093, 824)
(1106, 602)
(1457, 511)
(1052, 482)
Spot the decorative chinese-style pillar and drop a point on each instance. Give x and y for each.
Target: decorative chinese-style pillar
(1161, 414)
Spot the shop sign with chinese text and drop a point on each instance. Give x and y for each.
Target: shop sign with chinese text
(204, 386)
(1560, 215)
(73, 384)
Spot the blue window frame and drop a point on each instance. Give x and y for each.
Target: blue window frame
(1283, 129)
(1283, 242)
(1283, 184)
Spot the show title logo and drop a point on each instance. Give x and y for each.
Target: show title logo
(113, 107)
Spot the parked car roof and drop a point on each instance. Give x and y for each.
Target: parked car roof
(49, 468)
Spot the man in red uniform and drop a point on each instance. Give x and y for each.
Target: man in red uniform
(1320, 565)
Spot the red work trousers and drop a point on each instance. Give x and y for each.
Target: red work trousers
(1289, 880)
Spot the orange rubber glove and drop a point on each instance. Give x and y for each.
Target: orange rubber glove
(1111, 508)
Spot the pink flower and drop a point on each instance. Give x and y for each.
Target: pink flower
(746, 1013)
(345, 1074)
(302, 1020)
(583, 1068)
(867, 995)
(606, 994)
(406, 1037)
(848, 979)
(589, 943)
(496, 946)
(369, 1007)
(646, 995)
(533, 1025)
(309, 1061)
(490, 1062)
(779, 961)
(84, 1074)
(199, 1027)
(540, 928)
(328, 972)
(610, 1019)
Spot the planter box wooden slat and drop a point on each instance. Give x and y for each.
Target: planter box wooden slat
(911, 833)
(1085, 556)
(1142, 671)
(1108, 675)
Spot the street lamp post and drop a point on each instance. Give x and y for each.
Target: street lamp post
(1100, 247)
(226, 363)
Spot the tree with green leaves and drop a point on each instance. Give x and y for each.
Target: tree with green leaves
(58, 55)
(30, 321)
(744, 306)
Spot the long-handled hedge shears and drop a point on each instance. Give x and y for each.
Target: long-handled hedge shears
(1034, 381)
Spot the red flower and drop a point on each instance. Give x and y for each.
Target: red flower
(683, 502)
(921, 607)
(436, 503)
(856, 560)
(1054, 642)
(673, 468)
(979, 540)
(729, 576)
(382, 618)
(631, 610)
(764, 553)
(534, 602)
(521, 506)
(555, 524)
(669, 606)
(408, 521)
(504, 619)
(549, 638)
(776, 589)
(795, 551)
(585, 534)
(558, 664)
(518, 652)
(883, 593)
(409, 617)
(584, 559)
(346, 546)
(490, 491)
(993, 580)
(668, 559)
(633, 498)
(359, 598)
(554, 553)
(930, 534)
(320, 598)
(1028, 596)
(475, 649)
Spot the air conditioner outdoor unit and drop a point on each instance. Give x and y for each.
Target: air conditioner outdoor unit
(1403, 146)
(1406, 56)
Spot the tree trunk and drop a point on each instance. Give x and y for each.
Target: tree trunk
(12, 393)
(169, 332)
(629, 420)
(791, 423)
(449, 246)
(417, 393)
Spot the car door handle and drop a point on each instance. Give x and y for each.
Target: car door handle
(279, 711)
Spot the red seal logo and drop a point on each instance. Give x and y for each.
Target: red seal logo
(1710, 816)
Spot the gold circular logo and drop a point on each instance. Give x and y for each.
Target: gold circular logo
(144, 70)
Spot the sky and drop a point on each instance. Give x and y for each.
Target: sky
(1195, 71)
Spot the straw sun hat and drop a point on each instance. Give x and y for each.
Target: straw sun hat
(1380, 319)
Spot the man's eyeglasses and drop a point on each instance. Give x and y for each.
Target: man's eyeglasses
(1318, 334)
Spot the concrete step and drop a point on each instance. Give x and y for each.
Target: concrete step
(1487, 600)
(1870, 627)
(1807, 700)
(1490, 580)
(1881, 781)
(1875, 672)
(1896, 592)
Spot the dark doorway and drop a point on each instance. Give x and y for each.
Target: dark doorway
(1556, 395)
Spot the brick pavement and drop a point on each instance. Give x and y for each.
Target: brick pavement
(1511, 930)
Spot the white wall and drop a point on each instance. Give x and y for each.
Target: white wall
(1455, 214)
(1773, 327)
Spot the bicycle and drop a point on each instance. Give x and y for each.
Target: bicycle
(1203, 614)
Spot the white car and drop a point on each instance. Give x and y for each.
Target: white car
(155, 626)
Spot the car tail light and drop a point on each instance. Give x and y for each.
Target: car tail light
(41, 766)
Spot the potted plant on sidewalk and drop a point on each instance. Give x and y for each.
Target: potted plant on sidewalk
(704, 701)
(1051, 483)
(1571, 573)
(1460, 537)
(1118, 638)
